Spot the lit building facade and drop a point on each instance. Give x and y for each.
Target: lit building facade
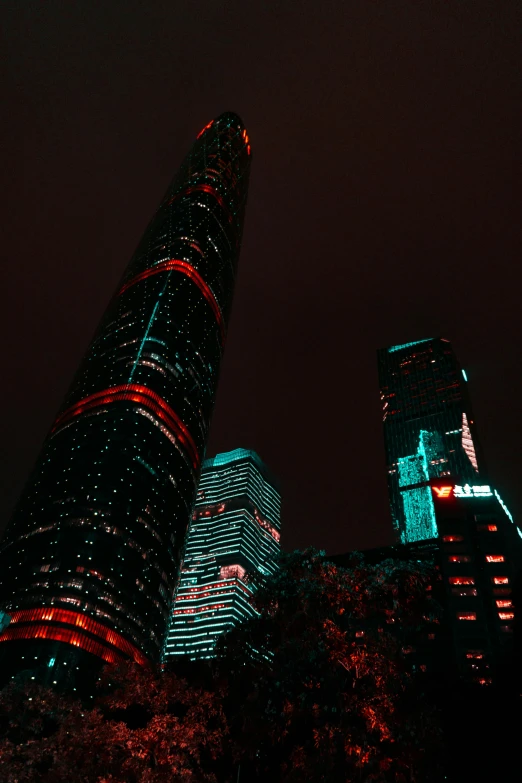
(477, 560)
(234, 532)
(480, 560)
(90, 558)
(429, 431)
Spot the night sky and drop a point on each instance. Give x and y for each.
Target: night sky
(384, 207)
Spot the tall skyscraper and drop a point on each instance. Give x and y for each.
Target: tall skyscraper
(90, 558)
(235, 531)
(429, 430)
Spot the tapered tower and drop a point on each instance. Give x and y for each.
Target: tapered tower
(90, 558)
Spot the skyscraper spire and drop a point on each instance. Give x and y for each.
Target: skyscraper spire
(91, 555)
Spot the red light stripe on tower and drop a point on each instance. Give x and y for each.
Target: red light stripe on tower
(68, 617)
(134, 392)
(74, 638)
(202, 131)
(175, 264)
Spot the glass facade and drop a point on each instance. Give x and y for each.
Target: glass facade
(235, 530)
(429, 430)
(480, 556)
(91, 555)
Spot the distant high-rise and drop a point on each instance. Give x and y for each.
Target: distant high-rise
(90, 558)
(235, 531)
(429, 430)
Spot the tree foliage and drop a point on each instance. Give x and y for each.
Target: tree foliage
(326, 694)
(315, 688)
(149, 727)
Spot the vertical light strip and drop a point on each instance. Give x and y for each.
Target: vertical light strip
(148, 329)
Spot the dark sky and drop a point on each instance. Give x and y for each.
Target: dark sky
(384, 206)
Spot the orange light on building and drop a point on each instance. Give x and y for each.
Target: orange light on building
(500, 580)
(504, 603)
(495, 558)
(442, 492)
(466, 615)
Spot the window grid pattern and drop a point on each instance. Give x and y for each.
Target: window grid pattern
(426, 417)
(114, 486)
(235, 531)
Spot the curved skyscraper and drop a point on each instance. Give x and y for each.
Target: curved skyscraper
(90, 557)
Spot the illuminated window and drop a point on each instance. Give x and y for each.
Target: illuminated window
(475, 654)
(227, 572)
(489, 528)
(466, 615)
(464, 591)
(452, 538)
(459, 559)
(495, 558)
(504, 603)
(500, 580)
(461, 580)
(506, 615)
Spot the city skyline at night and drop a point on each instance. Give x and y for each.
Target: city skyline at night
(417, 233)
(90, 558)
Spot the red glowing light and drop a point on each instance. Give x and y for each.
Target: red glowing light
(134, 393)
(31, 630)
(442, 492)
(202, 131)
(466, 615)
(461, 580)
(500, 580)
(175, 264)
(35, 631)
(495, 558)
(506, 615)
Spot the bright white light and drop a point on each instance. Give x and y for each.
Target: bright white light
(472, 492)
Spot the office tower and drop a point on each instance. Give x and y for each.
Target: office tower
(429, 430)
(477, 558)
(90, 558)
(480, 559)
(234, 532)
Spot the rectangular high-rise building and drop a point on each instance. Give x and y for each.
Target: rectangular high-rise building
(476, 562)
(235, 531)
(429, 431)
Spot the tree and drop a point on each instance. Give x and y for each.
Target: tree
(148, 726)
(325, 693)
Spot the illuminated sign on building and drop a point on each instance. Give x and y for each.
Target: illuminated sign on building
(466, 491)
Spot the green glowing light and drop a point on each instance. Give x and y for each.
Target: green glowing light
(464, 375)
(407, 345)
